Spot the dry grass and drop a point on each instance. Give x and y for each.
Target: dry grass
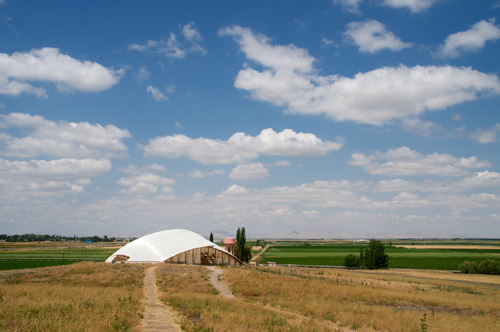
(187, 289)
(373, 301)
(79, 297)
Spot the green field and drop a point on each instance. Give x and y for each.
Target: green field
(18, 264)
(51, 256)
(432, 259)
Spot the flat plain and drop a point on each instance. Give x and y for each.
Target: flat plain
(429, 257)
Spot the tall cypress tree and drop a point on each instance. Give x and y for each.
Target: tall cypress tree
(211, 237)
(360, 257)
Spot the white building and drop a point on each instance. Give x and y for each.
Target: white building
(174, 246)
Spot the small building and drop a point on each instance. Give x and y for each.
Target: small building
(229, 243)
(271, 263)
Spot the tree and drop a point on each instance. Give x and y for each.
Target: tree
(351, 261)
(240, 251)
(375, 256)
(211, 237)
(468, 267)
(360, 257)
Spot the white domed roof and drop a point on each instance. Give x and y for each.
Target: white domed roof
(161, 246)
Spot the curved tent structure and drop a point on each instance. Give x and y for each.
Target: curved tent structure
(174, 246)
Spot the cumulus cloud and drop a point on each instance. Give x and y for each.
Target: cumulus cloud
(61, 139)
(132, 169)
(376, 97)
(481, 180)
(486, 136)
(48, 65)
(404, 161)
(257, 48)
(372, 37)
(471, 40)
(349, 5)
(172, 47)
(60, 169)
(414, 5)
(146, 183)
(157, 94)
(241, 148)
(203, 174)
(250, 171)
(48, 178)
(146, 178)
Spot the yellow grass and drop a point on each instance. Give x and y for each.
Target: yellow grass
(374, 301)
(79, 297)
(187, 289)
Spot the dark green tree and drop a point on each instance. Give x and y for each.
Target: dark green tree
(211, 237)
(351, 261)
(375, 256)
(360, 257)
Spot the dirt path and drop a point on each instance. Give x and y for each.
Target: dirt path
(255, 258)
(215, 274)
(157, 316)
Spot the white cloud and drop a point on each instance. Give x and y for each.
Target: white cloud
(144, 184)
(48, 65)
(48, 178)
(157, 94)
(486, 136)
(62, 139)
(172, 47)
(146, 178)
(241, 148)
(372, 37)
(280, 163)
(65, 169)
(325, 42)
(257, 48)
(377, 97)
(481, 180)
(249, 171)
(142, 74)
(144, 169)
(414, 5)
(471, 40)
(349, 5)
(202, 174)
(140, 188)
(404, 161)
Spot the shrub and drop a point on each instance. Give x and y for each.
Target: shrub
(351, 261)
(468, 267)
(489, 266)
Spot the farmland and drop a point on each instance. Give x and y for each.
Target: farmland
(22, 255)
(447, 258)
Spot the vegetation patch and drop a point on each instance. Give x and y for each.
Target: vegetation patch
(78, 297)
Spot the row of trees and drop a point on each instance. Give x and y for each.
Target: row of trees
(373, 258)
(30, 237)
(488, 266)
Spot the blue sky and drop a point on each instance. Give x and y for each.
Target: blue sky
(342, 117)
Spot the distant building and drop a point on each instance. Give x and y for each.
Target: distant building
(271, 263)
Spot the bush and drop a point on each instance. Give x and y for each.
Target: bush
(489, 266)
(468, 267)
(351, 261)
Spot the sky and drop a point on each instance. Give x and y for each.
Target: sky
(371, 117)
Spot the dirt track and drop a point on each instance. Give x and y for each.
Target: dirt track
(215, 274)
(157, 316)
